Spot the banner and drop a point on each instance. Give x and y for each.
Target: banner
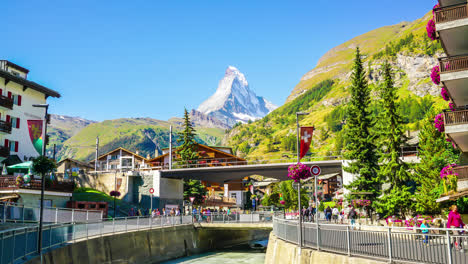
(35, 133)
(306, 139)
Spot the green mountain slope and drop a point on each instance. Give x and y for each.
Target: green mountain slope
(323, 92)
(145, 135)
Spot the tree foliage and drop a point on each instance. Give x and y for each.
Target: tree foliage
(188, 149)
(360, 149)
(194, 188)
(289, 194)
(43, 165)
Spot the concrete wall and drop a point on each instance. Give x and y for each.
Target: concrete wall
(151, 246)
(281, 252)
(33, 200)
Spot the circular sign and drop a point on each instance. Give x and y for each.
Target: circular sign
(151, 190)
(315, 170)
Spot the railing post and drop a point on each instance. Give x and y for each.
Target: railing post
(348, 240)
(389, 239)
(56, 214)
(318, 236)
(87, 230)
(113, 225)
(126, 224)
(23, 213)
(74, 233)
(73, 215)
(449, 251)
(223, 219)
(87, 215)
(138, 222)
(50, 236)
(25, 242)
(251, 217)
(13, 252)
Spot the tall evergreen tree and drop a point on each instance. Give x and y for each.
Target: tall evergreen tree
(194, 188)
(359, 146)
(435, 153)
(188, 149)
(396, 198)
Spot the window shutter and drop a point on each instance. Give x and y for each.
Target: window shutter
(8, 118)
(1, 91)
(9, 95)
(17, 122)
(19, 100)
(16, 146)
(6, 143)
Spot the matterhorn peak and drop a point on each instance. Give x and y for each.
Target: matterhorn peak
(234, 101)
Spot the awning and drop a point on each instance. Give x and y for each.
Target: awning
(24, 165)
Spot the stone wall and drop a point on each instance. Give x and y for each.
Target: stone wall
(151, 246)
(280, 252)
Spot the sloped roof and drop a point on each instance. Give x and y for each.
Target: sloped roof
(123, 149)
(76, 161)
(203, 146)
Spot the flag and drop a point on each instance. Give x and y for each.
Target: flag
(306, 139)
(35, 133)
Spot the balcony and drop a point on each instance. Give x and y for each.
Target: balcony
(220, 201)
(6, 102)
(445, 3)
(452, 27)
(462, 183)
(454, 75)
(9, 183)
(456, 126)
(5, 127)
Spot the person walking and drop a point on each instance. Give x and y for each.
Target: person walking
(157, 212)
(328, 213)
(455, 221)
(335, 213)
(307, 214)
(352, 217)
(314, 211)
(153, 214)
(424, 229)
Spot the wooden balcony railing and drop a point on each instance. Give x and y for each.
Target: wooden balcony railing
(6, 102)
(453, 64)
(9, 183)
(462, 172)
(5, 127)
(457, 117)
(451, 13)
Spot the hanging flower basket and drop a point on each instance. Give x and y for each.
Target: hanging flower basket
(434, 8)
(435, 75)
(444, 93)
(452, 106)
(431, 29)
(449, 178)
(115, 193)
(298, 172)
(439, 123)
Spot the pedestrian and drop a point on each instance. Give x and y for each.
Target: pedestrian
(208, 215)
(425, 231)
(157, 212)
(131, 212)
(335, 213)
(328, 214)
(307, 214)
(455, 221)
(153, 214)
(177, 213)
(352, 216)
(314, 211)
(164, 213)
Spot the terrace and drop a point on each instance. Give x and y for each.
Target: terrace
(9, 183)
(454, 75)
(452, 27)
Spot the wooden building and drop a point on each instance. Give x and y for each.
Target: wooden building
(120, 159)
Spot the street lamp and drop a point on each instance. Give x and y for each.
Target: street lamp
(299, 182)
(41, 214)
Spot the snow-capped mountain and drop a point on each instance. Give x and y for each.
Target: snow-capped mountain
(234, 102)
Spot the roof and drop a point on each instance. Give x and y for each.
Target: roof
(76, 161)
(204, 146)
(29, 84)
(14, 65)
(120, 148)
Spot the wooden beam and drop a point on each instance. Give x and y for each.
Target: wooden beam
(25, 87)
(46, 96)
(6, 81)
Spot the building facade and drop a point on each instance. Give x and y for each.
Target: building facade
(120, 159)
(17, 114)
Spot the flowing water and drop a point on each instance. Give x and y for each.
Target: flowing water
(223, 257)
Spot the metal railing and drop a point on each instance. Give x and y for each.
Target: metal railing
(451, 13)
(453, 64)
(9, 182)
(255, 217)
(5, 127)
(457, 117)
(393, 244)
(23, 214)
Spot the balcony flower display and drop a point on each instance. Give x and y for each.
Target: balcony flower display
(298, 172)
(449, 178)
(19, 181)
(452, 106)
(444, 93)
(449, 140)
(360, 203)
(431, 29)
(115, 193)
(434, 8)
(439, 123)
(435, 75)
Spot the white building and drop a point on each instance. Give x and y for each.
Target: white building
(17, 96)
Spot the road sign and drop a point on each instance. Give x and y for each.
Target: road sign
(151, 190)
(315, 170)
(192, 199)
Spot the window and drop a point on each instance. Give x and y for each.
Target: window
(16, 99)
(13, 146)
(233, 195)
(15, 122)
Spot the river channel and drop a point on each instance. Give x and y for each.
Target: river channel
(223, 257)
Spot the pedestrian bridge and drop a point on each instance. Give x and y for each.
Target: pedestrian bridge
(223, 174)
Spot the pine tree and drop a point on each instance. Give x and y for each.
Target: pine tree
(393, 171)
(359, 146)
(435, 153)
(194, 188)
(188, 149)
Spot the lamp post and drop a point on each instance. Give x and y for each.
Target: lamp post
(41, 214)
(299, 183)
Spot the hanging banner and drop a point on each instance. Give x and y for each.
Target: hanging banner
(35, 133)
(306, 139)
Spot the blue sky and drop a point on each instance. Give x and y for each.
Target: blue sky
(112, 59)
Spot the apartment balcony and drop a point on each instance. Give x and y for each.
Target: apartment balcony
(452, 27)
(462, 183)
(456, 127)
(9, 183)
(6, 102)
(454, 75)
(445, 3)
(5, 127)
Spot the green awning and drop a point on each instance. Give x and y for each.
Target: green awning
(24, 165)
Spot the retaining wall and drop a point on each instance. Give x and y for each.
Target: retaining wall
(151, 246)
(281, 252)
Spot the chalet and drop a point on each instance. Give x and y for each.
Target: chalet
(120, 159)
(71, 167)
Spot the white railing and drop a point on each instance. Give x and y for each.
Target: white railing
(393, 244)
